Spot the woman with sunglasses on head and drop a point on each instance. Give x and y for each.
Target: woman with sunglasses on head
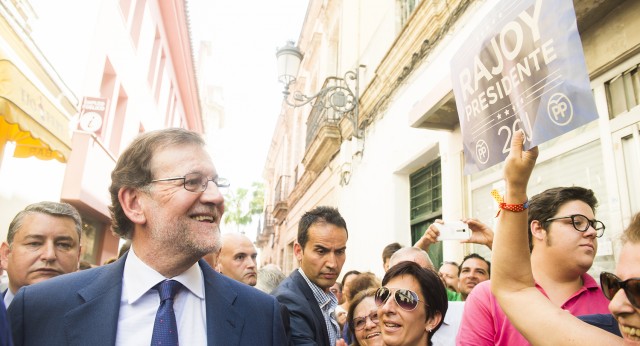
(412, 303)
(535, 316)
(363, 319)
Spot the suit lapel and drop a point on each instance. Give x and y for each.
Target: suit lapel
(224, 321)
(313, 304)
(95, 320)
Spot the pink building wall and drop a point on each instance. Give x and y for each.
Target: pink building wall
(135, 53)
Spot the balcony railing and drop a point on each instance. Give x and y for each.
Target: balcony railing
(282, 189)
(321, 116)
(269, 222)
(266, 229)
(280, 205)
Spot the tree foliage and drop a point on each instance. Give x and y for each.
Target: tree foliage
(240, 211)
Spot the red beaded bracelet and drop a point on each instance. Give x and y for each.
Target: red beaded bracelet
(510, 207)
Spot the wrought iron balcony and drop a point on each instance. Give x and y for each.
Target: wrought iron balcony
(280, 204)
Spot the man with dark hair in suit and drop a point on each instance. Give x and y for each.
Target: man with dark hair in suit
(166, 198)
(320, 251)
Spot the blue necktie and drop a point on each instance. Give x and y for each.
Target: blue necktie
(165, 329)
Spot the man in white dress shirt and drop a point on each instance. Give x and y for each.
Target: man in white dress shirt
(166, 198)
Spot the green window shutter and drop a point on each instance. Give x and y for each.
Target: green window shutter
(426, 204)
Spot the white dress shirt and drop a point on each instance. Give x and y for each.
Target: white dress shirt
(446, 334)
(139, 303)
(8, 297)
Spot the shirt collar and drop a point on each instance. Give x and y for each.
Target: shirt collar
(589, 282)
(8, 297)
(323, 298)
(140, 278)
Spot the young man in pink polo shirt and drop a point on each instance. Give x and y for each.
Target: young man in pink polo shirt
(563, 236)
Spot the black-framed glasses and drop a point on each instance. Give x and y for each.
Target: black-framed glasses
(406, 299)
(581, 223)
(611, 284)
(360, 322)
(197, 182)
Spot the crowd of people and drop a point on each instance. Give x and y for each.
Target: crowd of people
(179, 281)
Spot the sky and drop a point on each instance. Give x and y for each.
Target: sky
(245, 36)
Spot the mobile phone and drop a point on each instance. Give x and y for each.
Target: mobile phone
(453, 230)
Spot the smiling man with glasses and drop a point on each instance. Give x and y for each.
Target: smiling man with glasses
(166, 198)
(563, 233)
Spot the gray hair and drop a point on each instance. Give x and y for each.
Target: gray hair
(412, 254)
(269, 277)
(49, 208)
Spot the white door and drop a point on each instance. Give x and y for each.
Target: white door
(626, 144)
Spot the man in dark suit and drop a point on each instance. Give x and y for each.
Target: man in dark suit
(320, 251)
(166, 198)
(43, 241)
(5, 331)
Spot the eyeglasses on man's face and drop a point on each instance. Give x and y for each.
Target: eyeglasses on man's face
(360, 322)
(611, 284)
(581, 223)
(406, 299)
(196, 182)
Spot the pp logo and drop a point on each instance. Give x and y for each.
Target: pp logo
(482, 151)
(560, 109)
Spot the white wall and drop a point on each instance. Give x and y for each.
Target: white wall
(376, 203)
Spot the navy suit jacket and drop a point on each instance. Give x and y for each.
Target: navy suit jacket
(5, 332)
(82, 309)
(603, 321)
(308, 326)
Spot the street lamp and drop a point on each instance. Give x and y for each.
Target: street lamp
(337, 95)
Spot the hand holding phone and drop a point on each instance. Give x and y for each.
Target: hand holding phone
(453, 230)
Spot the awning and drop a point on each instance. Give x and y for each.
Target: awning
(29, 119)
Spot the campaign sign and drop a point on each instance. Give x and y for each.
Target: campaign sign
(522, 68)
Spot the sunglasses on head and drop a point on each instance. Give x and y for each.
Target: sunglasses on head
(406, 299)
(611, 284)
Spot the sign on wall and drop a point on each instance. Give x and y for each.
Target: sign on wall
(522, 68)
(92, 113)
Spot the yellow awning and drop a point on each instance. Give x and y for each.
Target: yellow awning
(28, 118)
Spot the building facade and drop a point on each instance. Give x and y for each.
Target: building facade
(129, 68)
(406, 168)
